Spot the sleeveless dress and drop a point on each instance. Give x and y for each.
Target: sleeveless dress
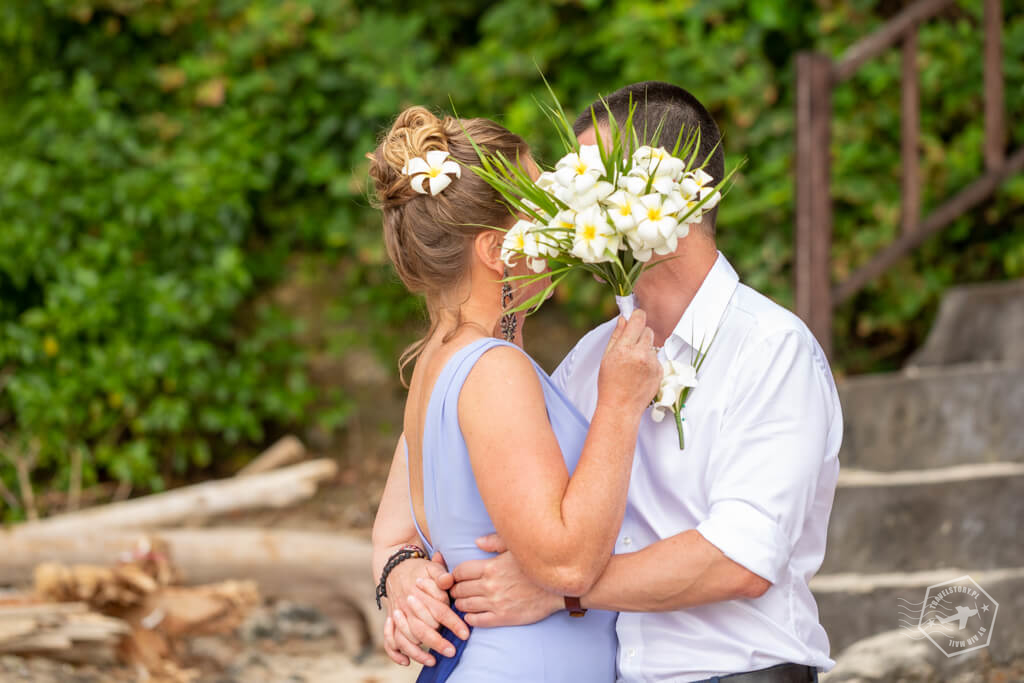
(559, 648)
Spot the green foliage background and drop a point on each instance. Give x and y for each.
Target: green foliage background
(162, 162)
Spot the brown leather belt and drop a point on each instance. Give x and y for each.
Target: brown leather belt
(781, 673)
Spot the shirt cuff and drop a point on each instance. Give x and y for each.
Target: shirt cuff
(748, 537)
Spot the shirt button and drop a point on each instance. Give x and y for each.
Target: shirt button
(627, 541)
(632, 652)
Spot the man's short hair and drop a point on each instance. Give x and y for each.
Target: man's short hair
(671, 108)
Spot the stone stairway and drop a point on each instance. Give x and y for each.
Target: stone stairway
(932, 488)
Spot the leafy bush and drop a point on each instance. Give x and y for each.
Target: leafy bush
(162, 162)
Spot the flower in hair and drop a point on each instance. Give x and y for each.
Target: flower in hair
(436, 170)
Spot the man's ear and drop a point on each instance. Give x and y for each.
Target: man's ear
(487, 248)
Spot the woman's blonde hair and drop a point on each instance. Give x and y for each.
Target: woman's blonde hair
(428, 238)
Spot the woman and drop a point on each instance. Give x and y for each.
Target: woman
(489, 443)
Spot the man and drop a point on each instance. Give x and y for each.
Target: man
(720, 539)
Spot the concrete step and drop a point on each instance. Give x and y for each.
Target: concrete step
(965, 516)
(856, 606)
(933, 417)
(979, 322)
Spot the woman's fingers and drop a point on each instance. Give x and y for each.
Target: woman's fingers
(445, 616)
(390, 646)
(409, 644)
(635, 327)
(430, 587)
(424, 628)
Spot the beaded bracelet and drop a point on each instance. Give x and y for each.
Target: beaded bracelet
(406, 552)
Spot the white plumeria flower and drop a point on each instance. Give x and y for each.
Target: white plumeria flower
(656, 222)
(564, 221)
(436, 169)
(675, 377)
(694, 182)
(620, 208)
(595, 240)
(595, 194)
(579, 171)
(519, 241)
(658, 162)
(637, 180)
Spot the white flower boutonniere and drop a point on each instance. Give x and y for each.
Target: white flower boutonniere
(677, 381)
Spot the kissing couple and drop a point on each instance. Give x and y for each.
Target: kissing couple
(551, 528)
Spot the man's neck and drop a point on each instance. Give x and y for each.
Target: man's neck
(666, 291)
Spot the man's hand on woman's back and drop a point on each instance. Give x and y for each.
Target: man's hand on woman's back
(496, 592)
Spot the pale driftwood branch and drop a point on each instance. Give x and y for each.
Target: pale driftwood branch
(330, 570)
(275, 489)
(75, 488)
(285, 451)
(23, 464)
(8, 496)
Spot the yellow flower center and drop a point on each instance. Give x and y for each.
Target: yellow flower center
(625, 210)
(654, 214)
(589, 232)
(520, 242)
(581, 168)
(565, 224)
(434, 172)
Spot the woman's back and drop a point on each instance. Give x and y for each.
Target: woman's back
(558, 648)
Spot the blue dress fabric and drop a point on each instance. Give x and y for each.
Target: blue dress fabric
(559, 648)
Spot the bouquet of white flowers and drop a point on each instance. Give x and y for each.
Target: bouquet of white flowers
(607, 209)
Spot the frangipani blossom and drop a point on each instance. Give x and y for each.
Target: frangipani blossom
(595, 240)
(675, 377)
(518, 241)
(620, 209)
(436, 169)
(597, 192)
(579, 171)
(658, 162)
(656, 222)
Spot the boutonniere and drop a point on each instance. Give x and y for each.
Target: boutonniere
(677, 381)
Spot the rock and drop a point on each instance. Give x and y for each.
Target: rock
(977, 323)
(888, 656)
(287, 620)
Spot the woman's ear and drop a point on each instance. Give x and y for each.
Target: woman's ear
(487, 248)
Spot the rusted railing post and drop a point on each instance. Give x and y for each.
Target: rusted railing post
(910, 121)
(813, 198)
(995, 130)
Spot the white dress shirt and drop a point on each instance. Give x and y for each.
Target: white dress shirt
(756, 479)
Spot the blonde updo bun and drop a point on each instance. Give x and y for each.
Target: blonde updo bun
(428, 237)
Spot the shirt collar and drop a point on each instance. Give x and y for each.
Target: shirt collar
(702, 317)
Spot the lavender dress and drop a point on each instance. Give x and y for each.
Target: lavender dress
(559, 648)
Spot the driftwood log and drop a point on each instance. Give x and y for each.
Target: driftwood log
(285, 451)
(274, 489)
(330, 570)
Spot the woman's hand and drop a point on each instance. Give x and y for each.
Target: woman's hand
(630, 372)
(419, 605)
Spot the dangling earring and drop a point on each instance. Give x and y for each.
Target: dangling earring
(508, 321)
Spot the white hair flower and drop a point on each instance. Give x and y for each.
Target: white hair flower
(436, 170)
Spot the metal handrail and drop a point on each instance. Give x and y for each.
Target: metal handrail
(817, 75)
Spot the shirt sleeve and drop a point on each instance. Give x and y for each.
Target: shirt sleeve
(763, 476)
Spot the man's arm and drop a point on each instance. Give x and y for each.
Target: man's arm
(762, 480)
(675, 573)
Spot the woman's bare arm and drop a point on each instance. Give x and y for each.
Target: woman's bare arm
(561, 530)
